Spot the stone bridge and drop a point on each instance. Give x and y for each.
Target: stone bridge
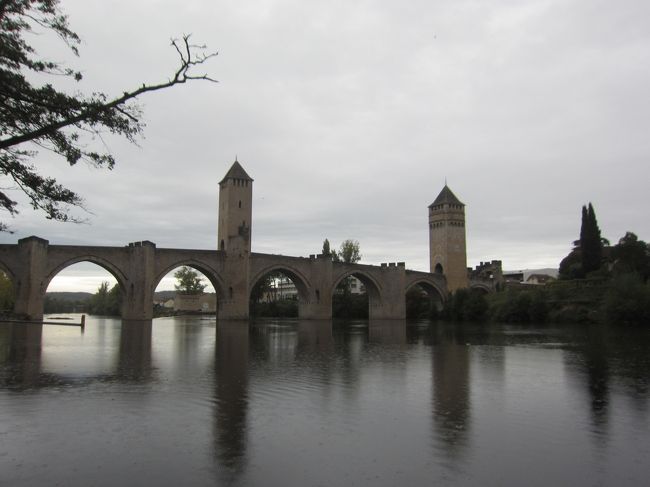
(139, 268)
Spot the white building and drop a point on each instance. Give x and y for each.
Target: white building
(284, 288)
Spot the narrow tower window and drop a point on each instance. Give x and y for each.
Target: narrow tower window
(240, 203)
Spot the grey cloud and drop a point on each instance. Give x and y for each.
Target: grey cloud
(349, 116)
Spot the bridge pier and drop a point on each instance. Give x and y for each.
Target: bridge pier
(234, 303)
(138, 295)
(318, 308)
(318, 305)
(391, 305)
(29, 277)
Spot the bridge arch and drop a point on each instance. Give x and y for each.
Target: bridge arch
(436, 295)
(8, 288)
(372, 285)
(481, 287)
(428, 285)
(303, 285)
(211, 274)
(108, 266)
(7, 270)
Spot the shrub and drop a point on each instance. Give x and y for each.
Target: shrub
(627, 300)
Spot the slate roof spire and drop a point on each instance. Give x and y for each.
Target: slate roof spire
(236, 172)
(446, 196)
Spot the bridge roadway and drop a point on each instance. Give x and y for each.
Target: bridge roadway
(140, 266)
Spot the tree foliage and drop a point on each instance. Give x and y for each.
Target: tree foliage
(349, 252)
(591, 245)
(266, 286)
(420, 304)
(39, 116)
(627, 300)
(587, 253)
(189, 281)
(520, 306)
(326, 248)
(106, 302)
(571, 266)
(632, 255)
(465, 305)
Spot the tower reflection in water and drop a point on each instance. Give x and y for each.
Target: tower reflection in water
(231, 395)
(451, 391)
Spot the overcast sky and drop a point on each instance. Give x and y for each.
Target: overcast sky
(350, 115)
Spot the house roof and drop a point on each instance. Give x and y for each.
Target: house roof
(446, 196)
(236, 172)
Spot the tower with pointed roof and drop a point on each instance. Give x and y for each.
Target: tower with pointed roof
(447, 248)
(235, 210)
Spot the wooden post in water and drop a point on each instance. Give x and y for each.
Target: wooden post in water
(41, 322)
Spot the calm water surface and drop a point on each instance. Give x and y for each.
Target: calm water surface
(184, 401)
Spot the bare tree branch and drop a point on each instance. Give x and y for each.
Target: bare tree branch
(181, 76)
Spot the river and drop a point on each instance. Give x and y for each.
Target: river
(184, 401)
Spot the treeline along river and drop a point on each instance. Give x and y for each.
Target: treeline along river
(187, 401)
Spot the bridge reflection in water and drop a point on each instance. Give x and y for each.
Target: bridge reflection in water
(198, 401)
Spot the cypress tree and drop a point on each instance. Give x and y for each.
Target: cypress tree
(590, 242)
(326, 248)
(584, 224)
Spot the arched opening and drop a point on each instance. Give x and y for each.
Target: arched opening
(438, 268)
(423, 301)
(7, 294)
(482, 290)
(354, 296)
(185, 290)
(84, 287)
(222, 245)
(276, 293)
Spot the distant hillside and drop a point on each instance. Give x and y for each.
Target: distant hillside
(71, 297)
(80, 296)
(164, 295)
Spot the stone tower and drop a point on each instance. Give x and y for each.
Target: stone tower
(447, 248)
(235, 210)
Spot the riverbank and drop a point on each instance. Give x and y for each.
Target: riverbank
(621, 300)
